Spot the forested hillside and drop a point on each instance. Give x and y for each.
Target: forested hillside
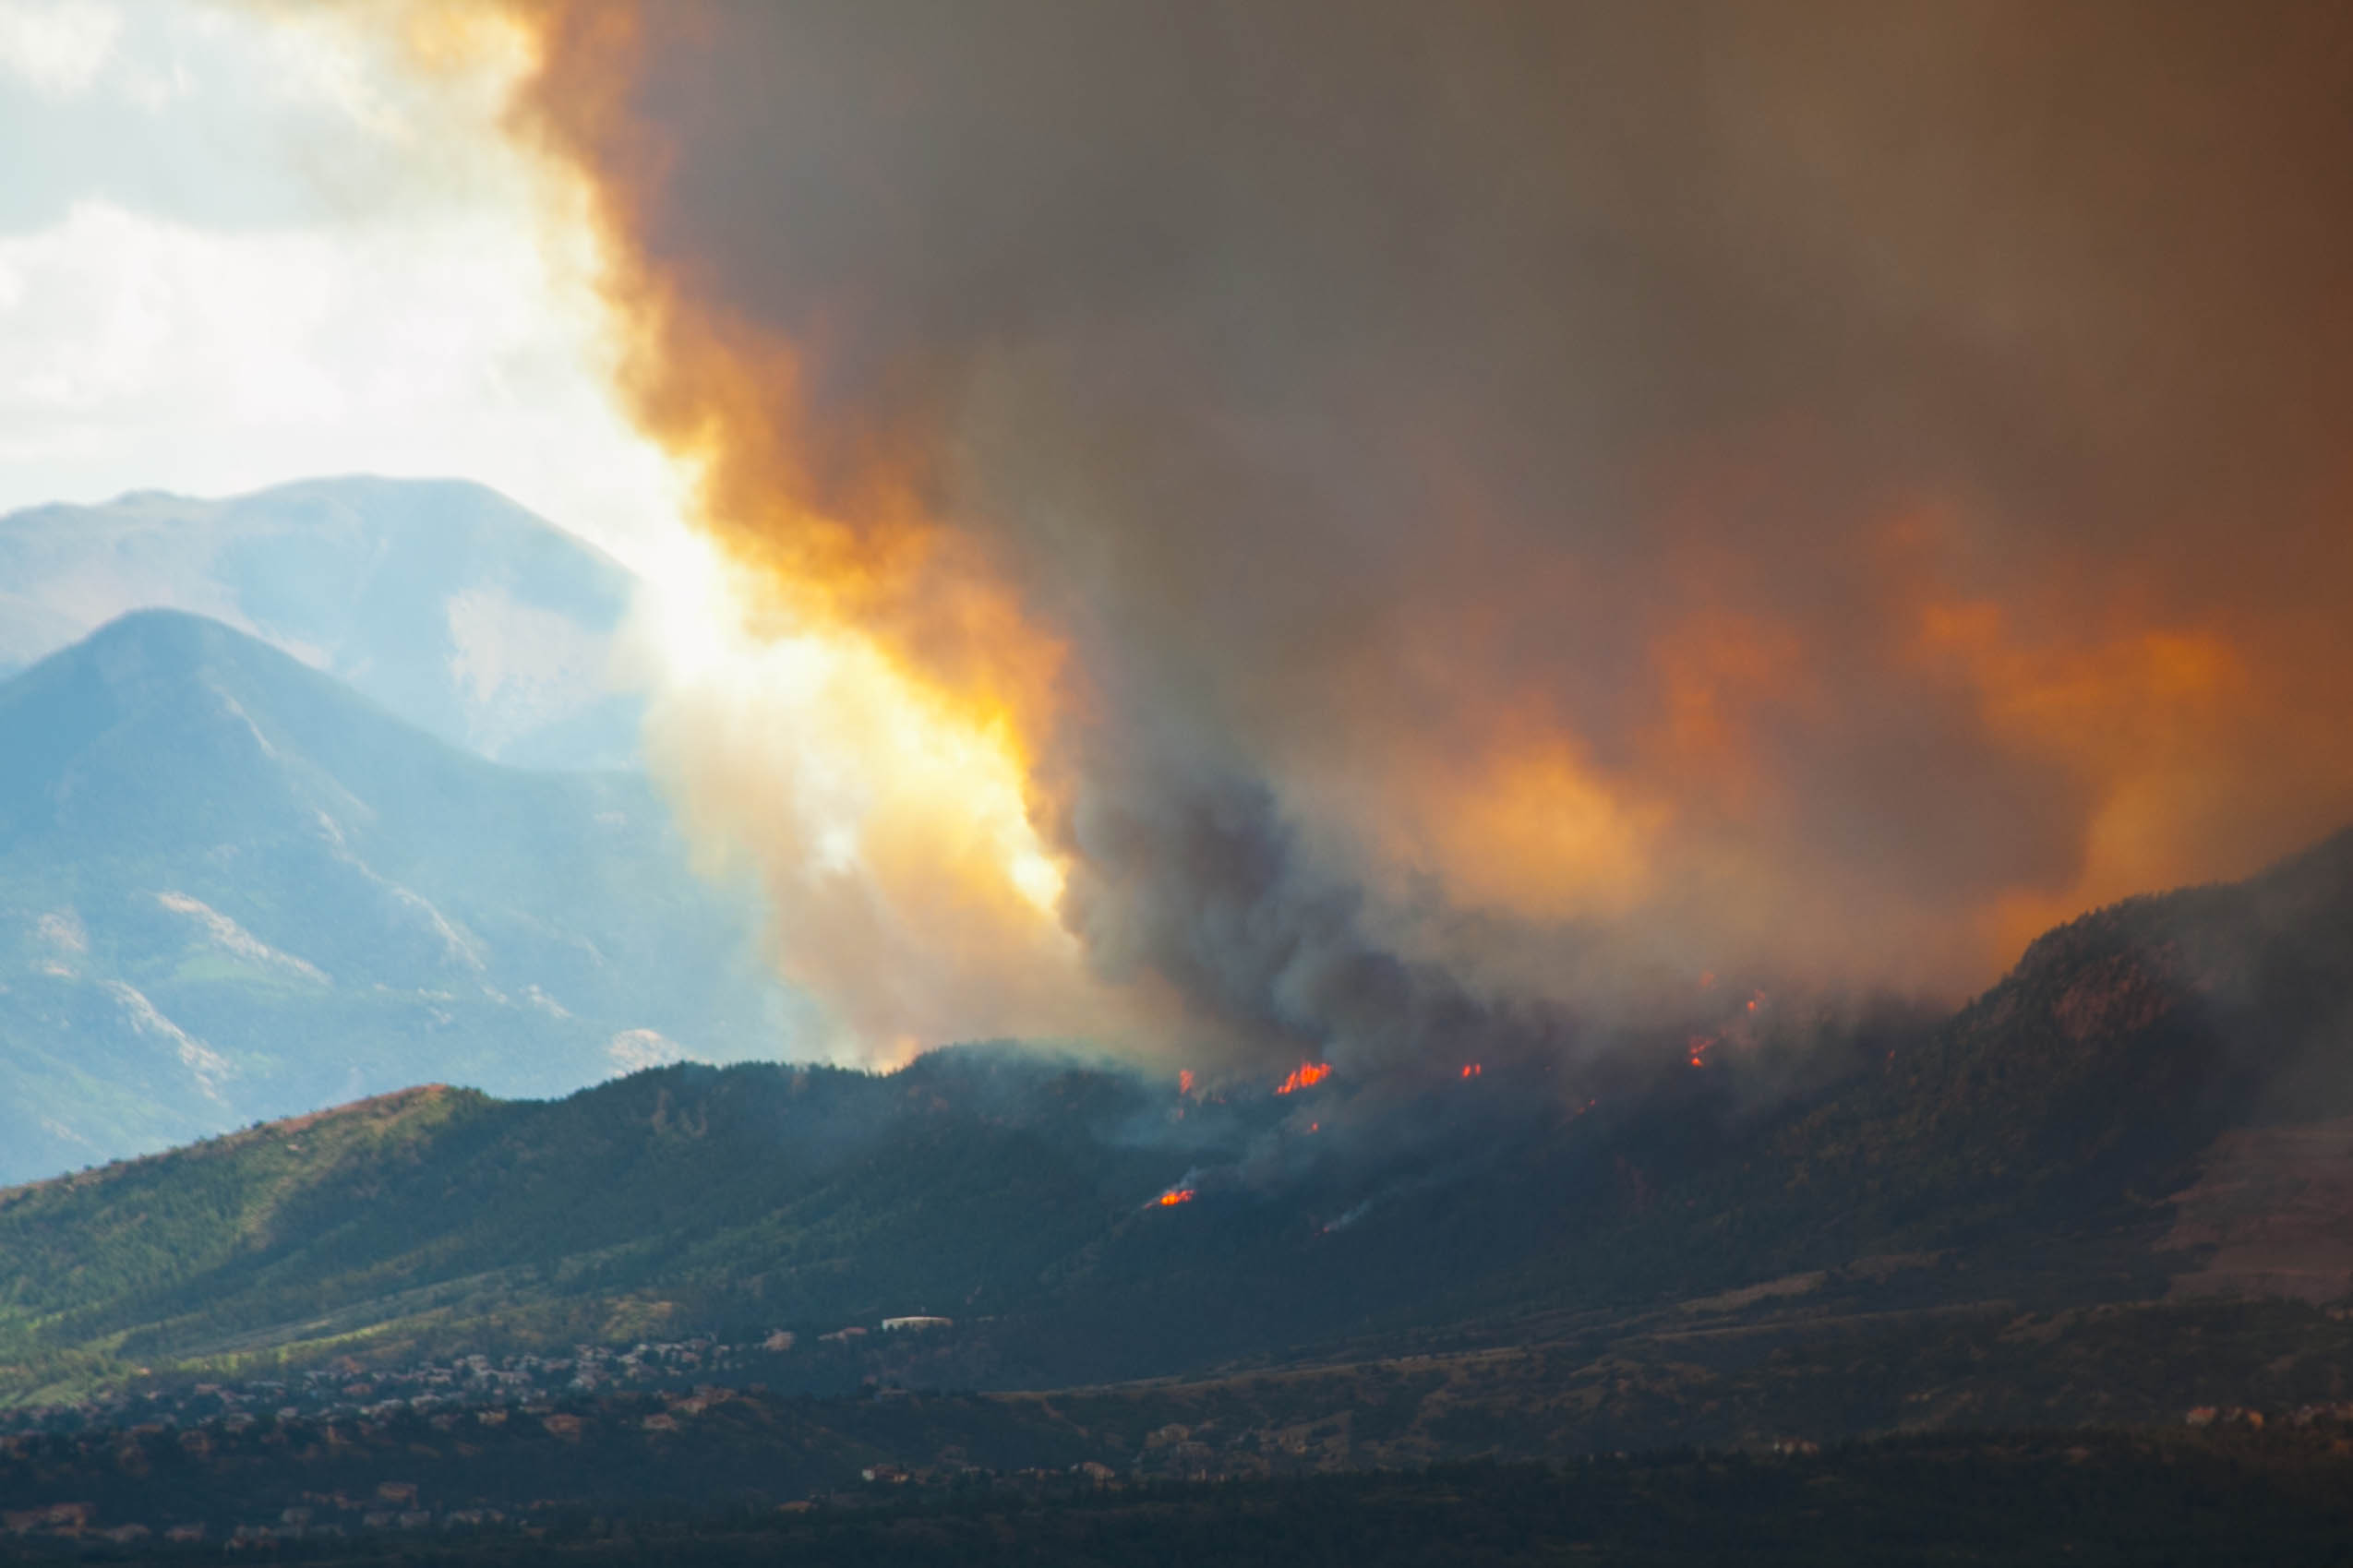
(2031, 1149)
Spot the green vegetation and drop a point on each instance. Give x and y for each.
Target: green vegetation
(814, 1197)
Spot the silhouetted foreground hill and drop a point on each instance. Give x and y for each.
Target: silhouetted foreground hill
(587, 1495)
(2154, 1087)
(230, 889)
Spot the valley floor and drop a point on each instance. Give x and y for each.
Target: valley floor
(1986, 1428)
(2093, 1497)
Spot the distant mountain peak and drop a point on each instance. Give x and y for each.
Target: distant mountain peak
(232, 886)
(441, 600)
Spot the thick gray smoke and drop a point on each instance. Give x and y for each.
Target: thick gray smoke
(1537, 503)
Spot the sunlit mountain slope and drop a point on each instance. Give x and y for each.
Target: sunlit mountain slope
(232, 888)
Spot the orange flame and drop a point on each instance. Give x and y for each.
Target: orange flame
(1471, 1071)
(1184, 1081)
(1306, 1075)
(1176, 1195)
(1698, 1046)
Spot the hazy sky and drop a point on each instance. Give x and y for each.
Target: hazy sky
(239, 246)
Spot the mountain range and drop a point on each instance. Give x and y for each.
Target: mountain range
(231, 888)
(320, 790)
(2149, 1119)
(441, 600)
(265, 846)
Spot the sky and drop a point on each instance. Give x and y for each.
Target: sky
(1255, 533)
(241, 244)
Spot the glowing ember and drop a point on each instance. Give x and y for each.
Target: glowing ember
(1306, 1075)
(1176, 1195)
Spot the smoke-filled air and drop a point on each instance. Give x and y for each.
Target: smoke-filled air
(1367, 533)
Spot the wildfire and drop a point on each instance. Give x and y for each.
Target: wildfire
(1470, 1069)
(1184, 1081)
(1305, 1076)
(1698, 1048)
(954, 690)
(1176, 1195)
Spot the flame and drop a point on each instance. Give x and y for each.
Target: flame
(1306, 1075)
(1184, 1081)
(1698, 1049)
(1471, 1071)
(1174, 1196)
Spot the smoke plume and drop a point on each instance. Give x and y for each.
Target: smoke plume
(1368, 529)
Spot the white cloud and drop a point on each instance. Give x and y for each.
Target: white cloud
(57, 49)
(634, 1051)
(138, 353)
(406, 299)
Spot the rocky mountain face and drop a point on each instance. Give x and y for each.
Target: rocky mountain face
(231, 889)
(441, 600)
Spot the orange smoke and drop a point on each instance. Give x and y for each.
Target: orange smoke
(1089, 468)
(845, 696)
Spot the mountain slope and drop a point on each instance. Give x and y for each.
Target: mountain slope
(2121, 1046)
(816, 1194)
(231, 889)
(2036, 1148)
(438, 600)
